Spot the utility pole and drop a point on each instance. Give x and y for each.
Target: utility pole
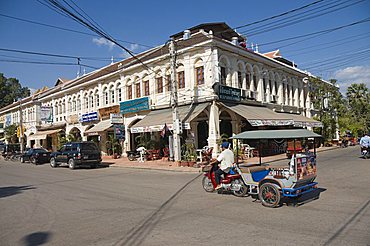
(21, 125)
(176, 122)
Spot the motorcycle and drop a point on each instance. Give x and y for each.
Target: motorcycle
(231, 181)
(365, 152)
(138, 154)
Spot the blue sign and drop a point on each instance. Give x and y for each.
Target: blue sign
(135, 105)
(89, 117)
(228, 93)
(119, 131)
(8, 120)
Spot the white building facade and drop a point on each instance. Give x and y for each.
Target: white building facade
(268, 92)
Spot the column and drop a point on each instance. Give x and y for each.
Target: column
(214, 128)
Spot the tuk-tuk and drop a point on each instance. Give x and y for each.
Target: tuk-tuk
(272, 183)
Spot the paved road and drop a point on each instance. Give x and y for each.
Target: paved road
(123, 206)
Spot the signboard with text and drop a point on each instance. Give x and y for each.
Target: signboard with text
(46, 113)
(116, 119)
(227, 93)
(135, 105)
(104, 113)
(89, 117)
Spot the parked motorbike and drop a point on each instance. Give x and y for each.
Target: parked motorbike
(365, 152)
(138, 154)
(231, 181)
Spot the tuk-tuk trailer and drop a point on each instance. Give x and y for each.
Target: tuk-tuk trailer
(272, 183)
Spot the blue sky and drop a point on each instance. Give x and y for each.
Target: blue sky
(343, 54)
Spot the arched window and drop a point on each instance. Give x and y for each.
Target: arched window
(97, 99)
(74, 104)
(181, 76)
(78, 103)
(159, 82)
(70, 108)
(199, 72)
(119, 92)
(112, 92)
(129, 92)
(106, 96)
(91, 100)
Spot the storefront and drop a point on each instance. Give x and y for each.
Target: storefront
(47, 139)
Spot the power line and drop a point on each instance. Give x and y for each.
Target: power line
(82, 20)
(318, 33)
(47, 63)
(279, 15)
(68, 30)
(302, 18)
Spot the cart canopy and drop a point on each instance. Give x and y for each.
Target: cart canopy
(276, 134)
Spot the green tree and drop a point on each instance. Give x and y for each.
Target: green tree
(11, 90)
(329, 103)
(358, 97)
(11, 133)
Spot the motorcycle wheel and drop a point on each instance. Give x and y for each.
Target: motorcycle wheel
(131, 157)
(269, 195)
(243, 188)
(207, 184)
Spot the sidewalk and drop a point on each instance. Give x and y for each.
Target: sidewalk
(172, 166)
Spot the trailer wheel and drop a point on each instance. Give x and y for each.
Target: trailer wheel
(269, 195)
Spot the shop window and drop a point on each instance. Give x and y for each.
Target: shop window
(159, 82)
(199, 75)
(248, 81)
(240, 79)
(129, 92)
(223, 76)
(181, 79)
(146, 88)
(138, 90)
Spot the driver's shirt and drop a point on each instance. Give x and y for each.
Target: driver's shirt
(365, 141)
(226, 158)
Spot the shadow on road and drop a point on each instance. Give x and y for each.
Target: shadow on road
(308, 197)
(14, 190)
(37, 238)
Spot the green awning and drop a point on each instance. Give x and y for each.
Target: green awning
(276, 134)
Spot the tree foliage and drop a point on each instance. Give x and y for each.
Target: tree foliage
(11, 90)
(11, 133)
(327, 99)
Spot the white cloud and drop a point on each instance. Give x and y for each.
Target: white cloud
(133, 48)
(350, 75)
(103, 42)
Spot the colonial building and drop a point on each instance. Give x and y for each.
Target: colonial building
(223, 89)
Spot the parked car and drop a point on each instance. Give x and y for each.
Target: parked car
(77, 154)
(36, 156)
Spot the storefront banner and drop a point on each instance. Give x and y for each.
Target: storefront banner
(46, 114)
(227, 93)
(119, 131)
(8, 120)
(135, 105)
(72, 119)
(116, 119)
(271, 122)
(157, 128)
(89, 117)
(105, 112)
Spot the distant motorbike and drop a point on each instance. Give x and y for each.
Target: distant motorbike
(344, 144)
(138, 154)
(365, 152)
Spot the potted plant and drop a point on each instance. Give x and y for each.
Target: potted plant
(189, 154)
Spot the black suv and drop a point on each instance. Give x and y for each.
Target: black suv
(77, 154)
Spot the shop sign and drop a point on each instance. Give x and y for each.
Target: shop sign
(116, 119)
(72, 119)
(46, 113)
(157, 128)
(228, 93)
(135, 105)
(8, 120)
(91, 134)
(89, 117)
(119, 131)
(105, 112)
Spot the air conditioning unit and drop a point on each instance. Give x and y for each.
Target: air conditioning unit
(273, 98)
(251, 95)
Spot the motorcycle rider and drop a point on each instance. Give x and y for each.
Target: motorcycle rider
(225, 160)
(365, 142)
